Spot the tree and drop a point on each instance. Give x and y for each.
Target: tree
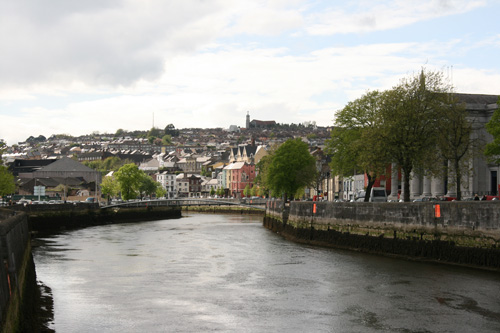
(170, 130)
(492, 149)
(3, 147)
(166, 140)
(7, 182)
(147, 186)
(290, 168)
(119, 132)
(155, 132)
(409, 124)
(354, 144)
(160, 191)
(129, 179)
(246, 191)
(110, 187)
(454, 139)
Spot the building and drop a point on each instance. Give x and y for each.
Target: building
(167, 181)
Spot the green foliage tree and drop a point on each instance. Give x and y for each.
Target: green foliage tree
(253, 191)
(160, 191)
(3, 147)
(454, 140)
(110, 187)
(7, 182)
(290, 168)
(492, 149)
(170, 130)
(155, 132)
(119, 132)
(129, 178)
(147, 186)
(112, 163)
(354, 145)
(212, 192)
(246, 191)
(409, 125)
(166, 140)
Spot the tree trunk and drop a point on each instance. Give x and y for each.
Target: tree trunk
(458, 180)
(371, 181)
(407, 186)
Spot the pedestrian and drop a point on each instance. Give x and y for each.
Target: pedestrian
(476, 197)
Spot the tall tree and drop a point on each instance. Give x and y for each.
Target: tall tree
(291, 168)
(7, 182)
(492, 149)
(354, 144)
(129, 178)
(109, 187)
(454, 139)
(409, 124)
(147, 185)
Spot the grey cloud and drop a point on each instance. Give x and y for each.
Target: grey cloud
(95, 42)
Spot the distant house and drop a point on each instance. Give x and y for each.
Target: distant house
(68, 168)
(24, 168)
(247, 153)
(238, 176)
(262, 123)
(65, 172)
(167, 181)
(150, 165)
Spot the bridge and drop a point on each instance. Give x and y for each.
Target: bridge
(247, 203)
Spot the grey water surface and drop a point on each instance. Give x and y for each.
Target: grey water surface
(227, 273)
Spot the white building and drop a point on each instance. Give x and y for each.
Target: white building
(168, 182)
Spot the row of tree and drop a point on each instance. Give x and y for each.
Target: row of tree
(419, 125)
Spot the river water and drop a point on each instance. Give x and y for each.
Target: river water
(227, 273)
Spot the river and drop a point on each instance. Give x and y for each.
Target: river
(227, 273)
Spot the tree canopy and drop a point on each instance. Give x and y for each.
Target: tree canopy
(129, 179)
(289, 169)
(492, 149)
(417, 125)
(7, 182)
(354, 145)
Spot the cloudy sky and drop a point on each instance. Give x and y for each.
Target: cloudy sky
(78, 67)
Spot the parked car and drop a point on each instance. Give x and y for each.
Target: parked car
(378, 194)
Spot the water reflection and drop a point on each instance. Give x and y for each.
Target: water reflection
(227, 273)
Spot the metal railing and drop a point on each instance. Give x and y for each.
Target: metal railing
(257, 204)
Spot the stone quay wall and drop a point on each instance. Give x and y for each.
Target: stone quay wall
(18, 286)
(465, 233)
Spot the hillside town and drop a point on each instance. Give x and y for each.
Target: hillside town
(191, 163)
(201, 163)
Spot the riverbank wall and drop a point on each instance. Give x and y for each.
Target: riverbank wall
(18, 286)
(223, 209)
(51, 218)
(461, 233)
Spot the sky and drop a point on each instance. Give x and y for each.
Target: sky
(96, 66)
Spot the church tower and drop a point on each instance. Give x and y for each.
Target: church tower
(248, 120)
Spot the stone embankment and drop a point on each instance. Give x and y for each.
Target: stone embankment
(18, 286)
(463, 233)
(51, 218)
